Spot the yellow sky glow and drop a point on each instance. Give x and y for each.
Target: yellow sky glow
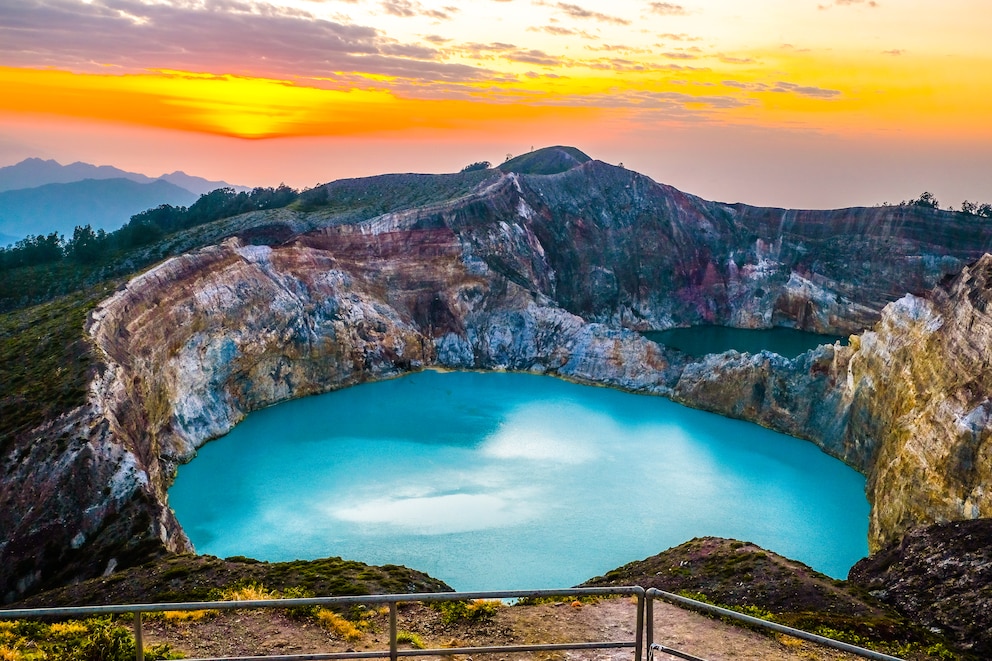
(590, 73)
(830, 92)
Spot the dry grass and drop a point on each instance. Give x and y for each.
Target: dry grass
(10, 654)
(68, 629)
(248, 592)
(176, 617)
(342, 627)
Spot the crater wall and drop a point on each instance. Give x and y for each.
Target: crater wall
(549, 274)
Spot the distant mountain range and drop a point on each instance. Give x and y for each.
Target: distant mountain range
(40, 197)
(32, 172)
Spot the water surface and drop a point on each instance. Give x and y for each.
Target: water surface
(506, 481)
(702, 340)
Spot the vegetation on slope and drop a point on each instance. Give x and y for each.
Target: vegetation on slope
(41, 268)
(744, 577)
(187, 577)
(45, 361)
(726, 572)
(367, 197)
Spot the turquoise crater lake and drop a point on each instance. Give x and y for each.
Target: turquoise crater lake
(702, 340)
(506, 481)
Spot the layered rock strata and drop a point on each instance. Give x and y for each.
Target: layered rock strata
(906, 403)
(548, 274)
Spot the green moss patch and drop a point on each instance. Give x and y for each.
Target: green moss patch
(45, 361)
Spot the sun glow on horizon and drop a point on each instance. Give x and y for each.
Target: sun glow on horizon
(835, 93)
(514, 72)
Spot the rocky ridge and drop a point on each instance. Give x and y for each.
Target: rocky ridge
(550, 274)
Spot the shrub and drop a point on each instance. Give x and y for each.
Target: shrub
(300, 612)
(95, 639)
(478, 165)
(479, 609)
(247, 592)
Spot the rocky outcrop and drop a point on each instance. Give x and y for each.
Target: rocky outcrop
(542, 273)
(907, 403)
(941, 576)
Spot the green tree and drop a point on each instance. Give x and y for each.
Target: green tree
(86, 246)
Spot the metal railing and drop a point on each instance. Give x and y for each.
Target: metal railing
(393, 653)
(643, 638)
(655, 593)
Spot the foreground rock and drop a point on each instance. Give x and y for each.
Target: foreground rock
(549, 274)
(942, 577)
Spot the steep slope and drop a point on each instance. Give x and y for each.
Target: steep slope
(542, 273)
(942, 576)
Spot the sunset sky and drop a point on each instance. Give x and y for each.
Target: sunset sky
(807, 103)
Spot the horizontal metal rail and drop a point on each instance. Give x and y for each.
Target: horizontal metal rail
(444, 651)
(654, 593)
(655, 647)
(391, 599)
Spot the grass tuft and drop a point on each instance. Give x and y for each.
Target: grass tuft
(340, 626)
(410, 638)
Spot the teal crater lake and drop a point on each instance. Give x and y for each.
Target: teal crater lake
(511, 481)
(703, 340)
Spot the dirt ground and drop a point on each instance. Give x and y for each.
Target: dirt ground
(272, 632)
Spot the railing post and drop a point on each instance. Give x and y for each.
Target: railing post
(393, 650)
(139, 648)
(639, 635)
(649, 623)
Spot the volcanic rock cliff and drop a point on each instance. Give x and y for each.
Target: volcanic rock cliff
(907, 403)
(548, 273)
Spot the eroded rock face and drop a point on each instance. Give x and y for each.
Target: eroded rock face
(940, 575)
(907, 403)
(546, 274)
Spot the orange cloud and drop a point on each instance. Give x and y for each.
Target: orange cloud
(252, 107)
(841, 93)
